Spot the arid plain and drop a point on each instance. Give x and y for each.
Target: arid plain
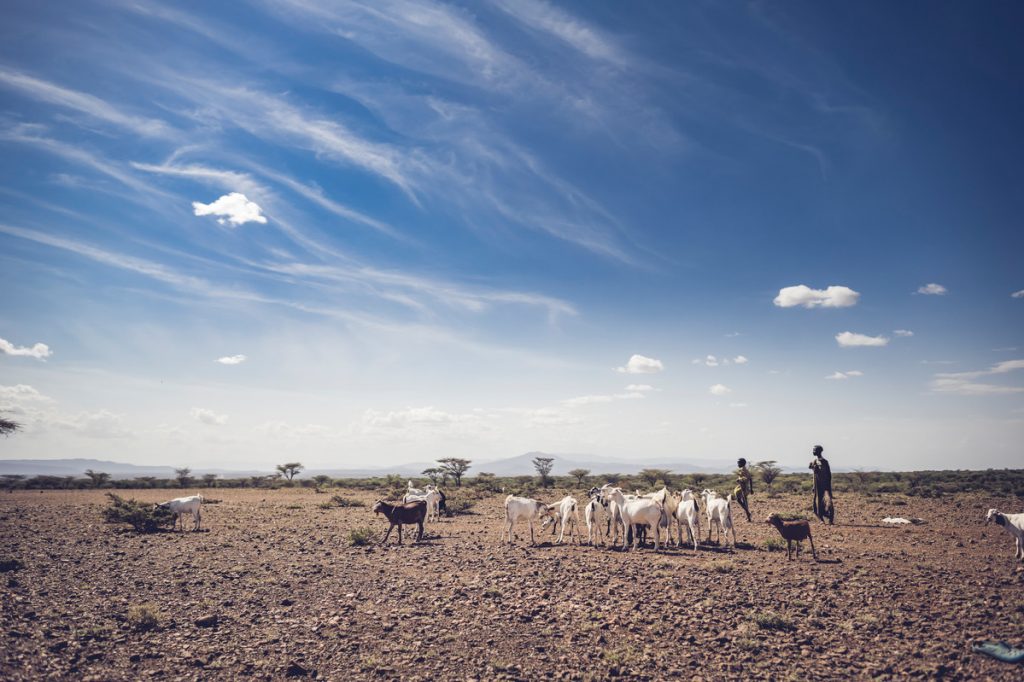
(272, 588)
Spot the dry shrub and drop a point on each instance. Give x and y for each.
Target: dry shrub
(144, 617)
(143, 517)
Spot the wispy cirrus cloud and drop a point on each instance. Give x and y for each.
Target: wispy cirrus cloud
(839, 376)
(963, 383)
(85, 103)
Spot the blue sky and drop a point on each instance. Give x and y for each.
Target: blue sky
(352, 233)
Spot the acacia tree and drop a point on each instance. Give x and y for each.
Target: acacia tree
(184, 476)
(210, 480)
(435, 475)
(290, 470)
(579, 475)
(455, 467)
(8, 426)
(321, 480)
(98, 478)
(769, 471)
(543, 466)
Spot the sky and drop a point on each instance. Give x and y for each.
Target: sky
(362, 234)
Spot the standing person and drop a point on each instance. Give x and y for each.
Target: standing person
(822, 485)
(744, 486)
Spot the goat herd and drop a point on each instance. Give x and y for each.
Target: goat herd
(611, 511)
(608, 512)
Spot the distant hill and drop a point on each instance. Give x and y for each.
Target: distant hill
(520, 465)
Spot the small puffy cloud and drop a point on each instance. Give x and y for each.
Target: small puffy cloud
(932, 290)
(209, 416)
(232, 359)
(40, 351)
(1017, 294)
(639, 364)
(711, 361)
(639, 388)
(100, 424)
(803, 295)
(963, 383)
(905, 333)
(852, 340)
(233, 208)
(720, 389)
(839, 376)
(740, 360)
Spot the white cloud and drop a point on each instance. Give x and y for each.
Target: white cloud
(737, 405)
(100, 424)
(21, 393)
(838, 376)
(40, 351)
(1017, 294)
(209, 416)
(232, 359)
(711, 361)
(237, 209)
(413, 416)
(852, 340)
(802, 295)
(962, 382)
(639, 364)
(594, 399)
(639, 388)
(905, 333)
(932, 289)
(282, 429)
(740, 360)
(720, 389)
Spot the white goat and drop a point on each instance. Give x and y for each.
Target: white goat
(669, 504)
(596, 515)
(635, 512)
(180, 506)
(688, 512)
(1014, 525)
(522, 509)
(563, 513)
(433, 500)
(720, 515)
(410, 490)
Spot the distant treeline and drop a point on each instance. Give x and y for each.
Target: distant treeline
(1001, 482)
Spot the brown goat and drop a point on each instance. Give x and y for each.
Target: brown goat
(402, 514)
(793, 531)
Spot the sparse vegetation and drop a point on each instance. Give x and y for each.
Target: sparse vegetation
(774, 544)
(363, 535)
(339, 501)
(455, 467)
(144, 617)
(543, 466)
(770, 620)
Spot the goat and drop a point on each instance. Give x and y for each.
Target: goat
(180, 506)
(689, 512)
(402, 514)
(563, 513)
(522, 509)
(1014, 525)
(433, 500)
(792, 531)
(669, 504)
(596, 514)
(635, 512)
(410, 490)
(720, 515)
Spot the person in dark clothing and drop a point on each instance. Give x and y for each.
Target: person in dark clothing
(822, 484)
(744, 486)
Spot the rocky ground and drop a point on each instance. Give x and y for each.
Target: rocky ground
(272, 588)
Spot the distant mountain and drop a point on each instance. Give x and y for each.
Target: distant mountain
(522, 465)
(77, 467)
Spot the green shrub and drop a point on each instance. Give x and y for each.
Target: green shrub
(339, 501)
(143, 517)
(774, 545)
(357, 537)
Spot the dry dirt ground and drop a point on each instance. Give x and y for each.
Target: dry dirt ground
(271, 589)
